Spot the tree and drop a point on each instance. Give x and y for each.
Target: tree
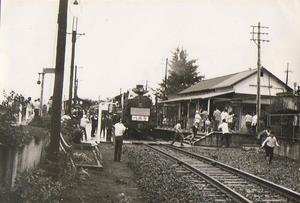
(182, 74)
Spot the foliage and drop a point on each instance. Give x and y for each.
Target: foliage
(67, 128)
(38, 185)
(158, 179)
(42, 122)
(11, 134)
(183, 74)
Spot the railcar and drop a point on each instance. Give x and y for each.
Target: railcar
(139, 114)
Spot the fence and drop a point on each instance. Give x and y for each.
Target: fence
(285, 126)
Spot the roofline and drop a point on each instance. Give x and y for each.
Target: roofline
(216, 78)
(255, 72)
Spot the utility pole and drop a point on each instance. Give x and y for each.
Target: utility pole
(256, 31)
(76, 86)
(287, 74)
(59, 79)
(74, 36)
(42, 91)
(166, 77)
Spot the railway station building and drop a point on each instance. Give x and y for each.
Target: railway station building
(236, 92)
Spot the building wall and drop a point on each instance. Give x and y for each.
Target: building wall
(249, 85)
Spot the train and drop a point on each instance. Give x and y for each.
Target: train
(139, 114)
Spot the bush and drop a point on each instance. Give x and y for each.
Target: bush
(38, 185)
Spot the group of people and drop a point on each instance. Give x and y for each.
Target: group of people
(88, 125)
(251, 123)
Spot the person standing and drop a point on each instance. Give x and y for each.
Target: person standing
(29, 110)
(119, 132)
(224, 115)
(248, 121)
(36, 106)
(49, 105)
(269, 144)
(102, 126)
(225, 132)
(230, 120)
(178, 133)
(254, 123)
(217, 118)
(94, 119)
(83, 123)
(109, 126)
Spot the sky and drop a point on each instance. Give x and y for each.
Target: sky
(126, 42)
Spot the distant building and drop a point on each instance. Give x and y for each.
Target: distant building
(235, 92)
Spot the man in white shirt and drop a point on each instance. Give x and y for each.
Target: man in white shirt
(248, 121)
(270, 143)
(119, 130)
(225, 132)
(254, 123)
(83, 123)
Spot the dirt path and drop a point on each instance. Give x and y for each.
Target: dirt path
(108, 185)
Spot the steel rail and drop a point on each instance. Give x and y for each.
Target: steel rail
(223, 188)
(288, 193)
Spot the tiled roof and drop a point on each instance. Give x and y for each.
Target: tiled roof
(218, 82)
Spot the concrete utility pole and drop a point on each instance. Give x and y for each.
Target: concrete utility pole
(287, 74)
(257, 40)
(74, 36)
(59, 79)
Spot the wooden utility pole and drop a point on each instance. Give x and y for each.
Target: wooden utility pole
(74, 37)
(166, 78)
(287, 74)
(76, 86)
(257, 40)
(59, 79)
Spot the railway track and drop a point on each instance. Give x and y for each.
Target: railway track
(223, 182)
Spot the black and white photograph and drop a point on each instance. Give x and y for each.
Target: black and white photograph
(132, 101)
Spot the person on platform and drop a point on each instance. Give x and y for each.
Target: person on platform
(197, 118)
(207, 125)
(109, 127)
(248, 121)
(224, 115)
(29, 110)
(225, 133)
(103, 122)
(94, 119)
(84, 121)
(270, 143)
(36, 106)
(254, 123)
(49, 105)
(119, 130)
(217, 118)
(230, 120)
(178, 133)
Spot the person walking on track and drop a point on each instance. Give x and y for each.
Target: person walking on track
(178, 133)
(119, 132)
(270, 143)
